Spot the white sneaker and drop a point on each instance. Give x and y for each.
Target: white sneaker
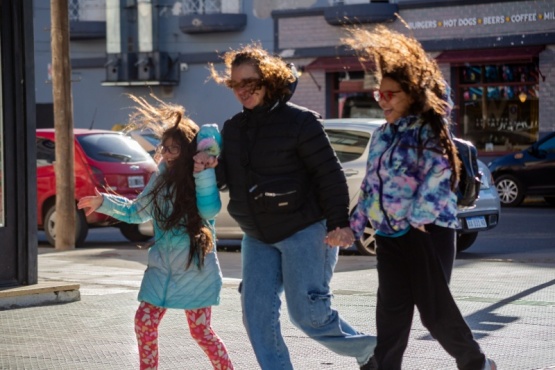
(489, 365)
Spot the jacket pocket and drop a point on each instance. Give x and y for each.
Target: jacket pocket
(276, 195)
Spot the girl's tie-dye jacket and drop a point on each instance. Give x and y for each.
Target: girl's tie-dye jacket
(403, 186)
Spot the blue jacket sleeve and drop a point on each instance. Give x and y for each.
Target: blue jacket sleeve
(208, 195)
(134, 211)
(209, 203)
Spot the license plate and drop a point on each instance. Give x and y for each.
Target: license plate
(136, 181)
(478, 222)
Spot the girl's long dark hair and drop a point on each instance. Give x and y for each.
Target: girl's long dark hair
(176, 186)
(439, 122)
(403, 59)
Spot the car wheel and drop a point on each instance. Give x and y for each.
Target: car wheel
(465, 241)
(81, 227)
(366, 245)
(131, 232)
(550, 200)
(510, 190)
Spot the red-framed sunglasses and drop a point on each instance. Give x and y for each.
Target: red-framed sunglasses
(385, 95)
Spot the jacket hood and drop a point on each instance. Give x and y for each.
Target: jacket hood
(293, 85)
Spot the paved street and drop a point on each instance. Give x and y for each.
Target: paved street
(509, 305)
(504, 285)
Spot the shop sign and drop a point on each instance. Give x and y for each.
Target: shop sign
(482, 21)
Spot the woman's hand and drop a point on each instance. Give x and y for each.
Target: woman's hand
(91, 202)
(340, 237)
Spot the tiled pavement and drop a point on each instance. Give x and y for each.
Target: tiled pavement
(510, 307)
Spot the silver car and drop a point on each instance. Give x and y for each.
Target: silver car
(350, 138)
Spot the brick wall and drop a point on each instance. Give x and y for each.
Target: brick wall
(310, 93)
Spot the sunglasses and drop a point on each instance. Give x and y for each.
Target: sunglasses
(385, 95)
(172, 149)
(251, 83)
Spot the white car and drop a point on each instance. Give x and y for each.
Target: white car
(350, 138)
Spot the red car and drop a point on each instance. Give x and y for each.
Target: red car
(107, 160)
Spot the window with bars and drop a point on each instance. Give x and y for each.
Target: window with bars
(87, 10)
(211, 6)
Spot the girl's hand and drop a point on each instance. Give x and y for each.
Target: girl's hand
(203, 161)
(90, 203)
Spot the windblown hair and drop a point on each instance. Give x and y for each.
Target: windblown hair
(403, 59)
(176, 186)
(274, 73)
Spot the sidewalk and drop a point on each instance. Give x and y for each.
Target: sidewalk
(510, 307)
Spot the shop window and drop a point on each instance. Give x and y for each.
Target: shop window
(353, 96)
(499, 105)
(358, 105)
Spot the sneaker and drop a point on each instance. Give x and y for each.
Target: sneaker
(489, 365)
(370, 365)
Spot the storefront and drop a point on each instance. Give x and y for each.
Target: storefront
(498, 96)
(499, 59)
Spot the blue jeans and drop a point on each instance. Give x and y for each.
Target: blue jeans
(302, 266)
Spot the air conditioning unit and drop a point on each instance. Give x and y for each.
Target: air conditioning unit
(121, 67)
(158, 66)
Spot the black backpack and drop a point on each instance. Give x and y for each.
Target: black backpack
(470, 177)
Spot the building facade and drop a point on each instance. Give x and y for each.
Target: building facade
(498, 57)
(139, 47)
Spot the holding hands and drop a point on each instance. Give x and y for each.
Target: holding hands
(340, 237)
(91, 202)
(203, 160)
(209, 144)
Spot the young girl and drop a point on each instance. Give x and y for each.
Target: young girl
(182, 199)
(408, 197)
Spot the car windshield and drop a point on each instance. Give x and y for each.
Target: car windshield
(348, 144)
(548, 146)
(112, 148)
(151, 138)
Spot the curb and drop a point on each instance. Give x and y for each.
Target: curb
(38, 294)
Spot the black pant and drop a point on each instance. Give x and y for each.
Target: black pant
(415, 269)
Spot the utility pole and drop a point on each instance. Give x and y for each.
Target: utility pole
(63, 124)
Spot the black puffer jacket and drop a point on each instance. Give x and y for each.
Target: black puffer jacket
(286, 142)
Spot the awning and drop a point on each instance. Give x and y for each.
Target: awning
(496, 55)
(338, 64)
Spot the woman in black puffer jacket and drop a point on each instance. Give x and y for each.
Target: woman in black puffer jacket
(289, 195)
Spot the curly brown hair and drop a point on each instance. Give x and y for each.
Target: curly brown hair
(274, 73)
(404, 60)
(177, 185)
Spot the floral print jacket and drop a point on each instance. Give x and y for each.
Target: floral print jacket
(404, 185)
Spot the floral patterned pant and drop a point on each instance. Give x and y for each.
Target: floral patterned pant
(147, 319)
